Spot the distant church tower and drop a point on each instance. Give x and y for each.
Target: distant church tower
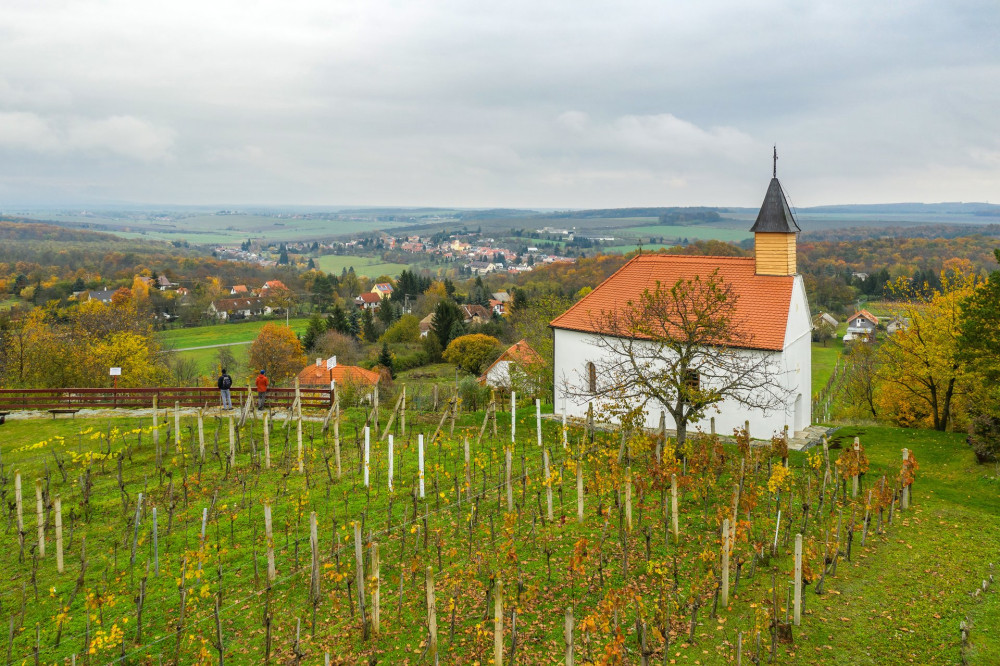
(775, 231)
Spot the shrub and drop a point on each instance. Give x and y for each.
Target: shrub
(984, 437)
(474, 396)
(473, 353)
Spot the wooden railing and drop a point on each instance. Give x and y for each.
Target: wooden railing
(137, 398)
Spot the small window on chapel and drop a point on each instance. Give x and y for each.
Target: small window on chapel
(591, 377)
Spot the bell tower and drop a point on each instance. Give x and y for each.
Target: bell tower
(775, 231)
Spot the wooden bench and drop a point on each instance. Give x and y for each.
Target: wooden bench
(55, 412)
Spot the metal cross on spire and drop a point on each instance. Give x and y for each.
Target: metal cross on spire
(775, 172)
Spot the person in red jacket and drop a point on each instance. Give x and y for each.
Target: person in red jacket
(261, 390)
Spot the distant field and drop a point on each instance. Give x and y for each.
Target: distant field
(213, 229)
(694, 232)
(370, 266)
(199, 336)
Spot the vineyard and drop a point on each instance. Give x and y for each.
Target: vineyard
(419, 536)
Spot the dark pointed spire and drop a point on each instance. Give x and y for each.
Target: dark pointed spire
(775, 216)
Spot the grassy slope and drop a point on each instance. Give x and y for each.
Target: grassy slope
(241, 332)
(370, 266)
(824, 360)
(198, 336)
(899, 602)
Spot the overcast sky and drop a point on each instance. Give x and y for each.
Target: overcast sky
(540, 103)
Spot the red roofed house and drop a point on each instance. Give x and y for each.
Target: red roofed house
(861, 326)
(771, 302)
(273, 284)
(322, 373)
(519, 355)
(368, 301)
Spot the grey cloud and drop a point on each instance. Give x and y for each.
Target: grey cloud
(520, 103)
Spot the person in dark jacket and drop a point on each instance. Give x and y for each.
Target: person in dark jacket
(225, 383)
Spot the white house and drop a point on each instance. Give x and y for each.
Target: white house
(771, 302)
(519, 355)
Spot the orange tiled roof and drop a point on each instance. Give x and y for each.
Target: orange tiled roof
(520, 353)
(762, 303)
(867, 315)
(318, 375)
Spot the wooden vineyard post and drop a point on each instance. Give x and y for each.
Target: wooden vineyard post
(854, 478)
(538, 422)
(468, 467)
(565, 432)
(156, 423)
(725, 562)
(391, 458)
(420, 463)
(568, 636)
(432, 616)
(314, 579)
(267, 441)
(367, 453)
(59, 541)
(40, 517)
(298, 434)
(269, 537)
(510, 490)
(201, 434)
(19, 505)
(360, 575)
(673, 508)
(513, 415)
(402, 414)
(663, 436)
(336, 435)
(904, 500)
(177, 426)
(579, 490)
(232, 442)
(548, 485)
(628, 497)
(798, 580)
(376, 588)
(156, 546)
(498, 622)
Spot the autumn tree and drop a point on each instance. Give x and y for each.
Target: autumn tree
(472, 352)
(922, 360)
(278, 352)
(681, 346)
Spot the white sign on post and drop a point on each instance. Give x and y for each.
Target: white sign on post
(331, 363)
(116, 372)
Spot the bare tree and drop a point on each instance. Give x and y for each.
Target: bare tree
(682, 347)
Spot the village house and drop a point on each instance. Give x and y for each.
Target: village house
(382, 289)
(475, 314)
(771, 300)
(276, 285)
(239, 290)
(104, 296)
(825, 318)
(861, 326)
(516, 362)
(368, 301)
(238, 308)
(326, 374)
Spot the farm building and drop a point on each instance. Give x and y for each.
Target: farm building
(771, 304)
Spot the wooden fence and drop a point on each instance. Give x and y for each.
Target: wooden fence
(132, 398)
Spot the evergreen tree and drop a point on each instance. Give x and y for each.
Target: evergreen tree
(386, 312)
(368, 331)
(385, 360)
(316, 328)
(446, 315)
(337, 320)
(282, 255)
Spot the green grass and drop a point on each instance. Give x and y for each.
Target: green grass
(369, 266)
(218, 334)
(824, 360)
(898, 601)
(6, 304)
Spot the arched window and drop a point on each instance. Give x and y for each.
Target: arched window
(591, 377)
